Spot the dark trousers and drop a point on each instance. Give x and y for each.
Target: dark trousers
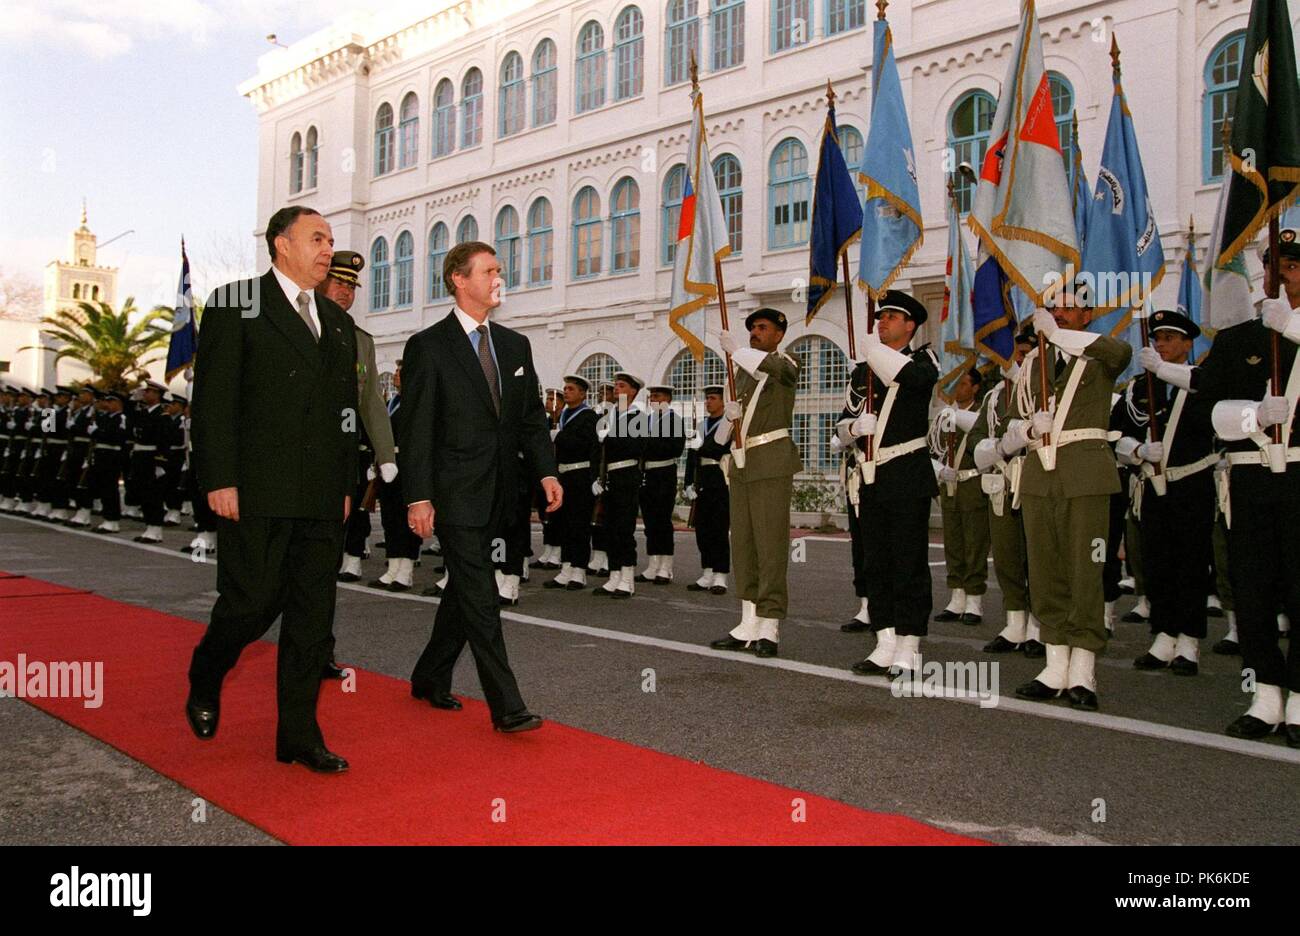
(573, 519)
(173, 482)
(856, 551)
(469, 613)
(357, 530)
(713, 524)
(47, 474)
(399, 541)
(658, 495)
(621, 492)
(513, 544)
(1264, 562)
(1177, 532)
(204, 519)
(148, 487)
(104, 482)
(1113, 569)
(896, 554)
(268, 567)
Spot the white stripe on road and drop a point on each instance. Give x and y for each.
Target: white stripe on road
(1132, 726)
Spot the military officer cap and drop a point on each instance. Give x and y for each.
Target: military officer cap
(1170, 320)
(662, 388)
(713, 390)
(774, 316)
(66, 390)
(181, 399)
(154, 385)
(578, 381)
(10, 388)
(1288, 245)
(345, 265)
(114, 395)
(630, 378)
(895, 300)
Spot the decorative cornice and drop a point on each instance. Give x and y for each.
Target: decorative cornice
(995, 49)
(452, 198)
(395, 214)
(600, 159)
(526, 178)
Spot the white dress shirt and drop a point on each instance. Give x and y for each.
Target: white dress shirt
(291, 290)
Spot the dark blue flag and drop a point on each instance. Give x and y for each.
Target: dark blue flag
(836, 220)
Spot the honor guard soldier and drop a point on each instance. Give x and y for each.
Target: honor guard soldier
(577, 453)
(599, 562)
(624, 437)
(1174, 503)
(1261, 503)
(77, 467)
(851, 482)
(706, 490)
(205, 520)
(377, 455)
(897, 480)
(49, 494)
(31, 463)
(1001, 482)
(665, 441)
(963, 503)
(173, 483)
(108, 455)
(1069, 475)
(148, 434)
(401, 545)
(760, 475)
(8, 406)
(21, 449)
(552, 525)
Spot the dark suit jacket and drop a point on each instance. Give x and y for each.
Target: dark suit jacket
(453, 449)
(274, 412)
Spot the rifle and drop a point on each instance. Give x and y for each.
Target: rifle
(371, 495)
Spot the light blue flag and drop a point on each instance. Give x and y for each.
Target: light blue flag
(1291, 217)
(1123, 261)
(891, 219)
(1082, 196)
(957, 333)
(1189, 302)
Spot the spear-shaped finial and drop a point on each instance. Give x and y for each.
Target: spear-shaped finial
(1191, 229)
(881, 6)
(1114, 54)
(830, 94)
(952, 189)
(695, 74)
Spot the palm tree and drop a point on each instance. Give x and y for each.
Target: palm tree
(106, 341)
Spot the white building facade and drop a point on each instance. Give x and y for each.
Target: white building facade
(557, 132)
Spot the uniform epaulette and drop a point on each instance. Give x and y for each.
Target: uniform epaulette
(788, 358)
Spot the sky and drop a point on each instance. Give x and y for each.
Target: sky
(132, 104)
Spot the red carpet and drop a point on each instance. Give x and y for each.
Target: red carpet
(418, 776)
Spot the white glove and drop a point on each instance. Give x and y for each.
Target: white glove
(965, 419)
(731, 341)
(89, 429)
(1015, 439)
(844, 432)
(1042, 424)
(388, 471)
(732, 410)
(723, 432)
(864, 425)
(601, 432)
(695, 443)
(160, 472)
(688, 492)
(836, 445)
(948, 474)
(1276, 314)
(1272, 411)
(947, 419)
(1045, 324)
(1149, 359)
(1153, 452)
(597, 488)
(554, 433)
(986, 454)
(370, 473)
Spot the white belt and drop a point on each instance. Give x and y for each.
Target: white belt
(145, 448)
(665, 463)
(1261, 457)
(395, 449)
(178, 448)
(56, 441)
(967, 474)
(81, 438)
(891, 452)
(618, 465)
(1178, 472)
(766, 437)
(573, 466)
(1066, 436)
(111, 448)
(709, 461)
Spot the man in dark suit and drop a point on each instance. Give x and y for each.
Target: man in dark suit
(473, 404)
(275, 447)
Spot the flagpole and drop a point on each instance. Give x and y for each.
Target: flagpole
(1277, 454)
(844, 260)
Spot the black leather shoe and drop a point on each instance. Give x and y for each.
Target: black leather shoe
(1038, 692)
(696, 586)
(717, 589)
(347, 577)
(1293, 736)
(621, 594)
(576, 586)
(554, 584)
(970, 620)
(1134, 618)
(433, 591)
(520, 721)
(856, 627)
(1081, 697)
(396, 586)
(378, 583)
(765, 648)
(316, 758)
(439, 700)
(602, 592)
(661, 580)
(947, 617)
(1250, 728)
(202, 718)
(332, 671)
(1226, 647)
(642, 577)
(869, 667)
(1034, 649)
(1214, 612)
(147, 539)
(1000, 644)
(730, 643)
(1181, 666)
(1148, 662)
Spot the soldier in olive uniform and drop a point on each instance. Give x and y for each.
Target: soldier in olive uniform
(706, 489)
(963, 503)
(1065, 492)
(760, 475)
(577, 453)
(664, 444)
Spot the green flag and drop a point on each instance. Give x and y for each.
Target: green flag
(1265, 130)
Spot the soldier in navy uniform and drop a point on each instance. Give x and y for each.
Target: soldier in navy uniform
(664, 444)
(706, 489)
(599, 562)
(205, 520)
(1262, 501)
(898, 480)
(108, 455)
(623, 435)
(8, 395)
(49, 492)
(31, 460)
(147, 430)
(174, 458)
(552, 526)
(401, 545)
(76, 469)
(577, 453)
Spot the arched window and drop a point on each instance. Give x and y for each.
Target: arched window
(444, 118)
(599, 369)
(384, 139)
(408, 132)
(511, 119)
(684, 370)
(789, 193)
(76, 290)
(853, 150)
(94, 293)
(727, 21)
(313, 156)
(1063, 111)
(968, 138)
(437, 257)
(625, 225)
(843, 15)
(544, 83)
(590, 68)
(791, 23)
(681, 38)
(508, 245)
(467, 230)
(819, 397)
(295, 164)
(471, 104)
(540, 240)
(586, 233)
(726, 176)
(674, 188)
(1222, 72)
(629, 54)
(379, 275)
(404, 257)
